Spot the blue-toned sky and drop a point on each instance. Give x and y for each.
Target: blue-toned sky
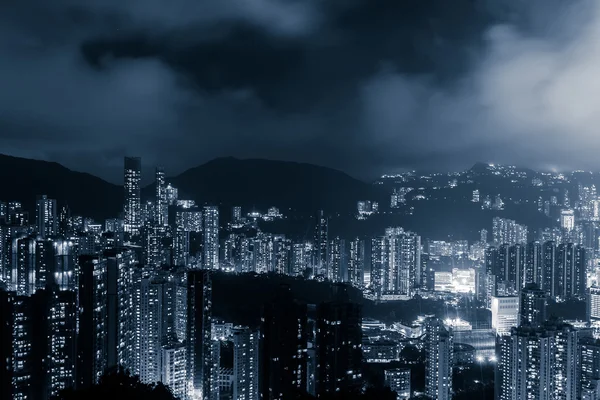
(366, 86)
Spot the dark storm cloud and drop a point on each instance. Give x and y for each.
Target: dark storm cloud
(368, 86)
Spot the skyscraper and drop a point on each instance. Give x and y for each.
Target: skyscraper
(46, 219)
(593, 304)
(119, 308)
(505, 313)
(199, 310)
(283, 345)
(245, 363)
(162, 205)
(338, 261)
(174, 369)
(570, 271)
(398, 380)
(588, 384)
(356, 262)
(439, 347)
(211, 237)
(62, 340)
(133, 201)
(538, 363)
(321, 243)
(532, 307)
(338, 342)
(91, 340)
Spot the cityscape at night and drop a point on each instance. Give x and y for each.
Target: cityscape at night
(300, 199)
(236, 302)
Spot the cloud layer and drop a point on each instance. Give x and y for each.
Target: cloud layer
(367, 86)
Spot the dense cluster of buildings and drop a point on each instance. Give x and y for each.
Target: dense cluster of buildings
(78, 298)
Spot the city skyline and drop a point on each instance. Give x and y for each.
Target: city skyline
(300, 199)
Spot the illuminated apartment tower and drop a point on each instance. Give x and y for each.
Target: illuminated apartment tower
(174, 369)
(23, 346)
(532, 307)
(439, 347)
(151, 304)
(62, 342)
(338, 261)
(593, 304)
(588, 384)
(245, 363)
(398, 380)
(119, 308)
(91, 340)
(211, 237)
(46, 219)
(283, 347)
(133, 206)
(538, 363)
(570, 271)
(199, 354)
(162, 206)
(338, 346)
(321, 244)
(356, 262)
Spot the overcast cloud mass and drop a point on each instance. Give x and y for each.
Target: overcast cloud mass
(366, 86)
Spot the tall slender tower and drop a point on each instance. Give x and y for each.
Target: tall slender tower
(162, 210)
(439, 347)
(199, 307)
(132, 206)
(321, 244)
(283, 347)
(211, 237)
(46, 220)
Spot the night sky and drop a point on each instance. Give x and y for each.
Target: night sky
(365, 86)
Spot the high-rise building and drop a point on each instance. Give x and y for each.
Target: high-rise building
(119, 308)
(236, 215)
(245, 363)
(505, 313)
(199, 352)
(570, 271)
(396, 263)
(46, 217)
(534, 263)
(283, 348)
(532, 307)
(593, 304)
(211, 237)
(549, 261)
(162, 206)
(338, 343)
(133, 201)
(301, 258)
(398, 380)
(538, 363)
(321, 244)
(174, 369)
(338, 261)
(567, 220)
(507, 231)
(24, 344)
(356, 262)
(62, 340)
(91, 339)
(588, 384)
(439, 348)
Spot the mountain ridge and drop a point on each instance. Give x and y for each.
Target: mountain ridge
(224, 181)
